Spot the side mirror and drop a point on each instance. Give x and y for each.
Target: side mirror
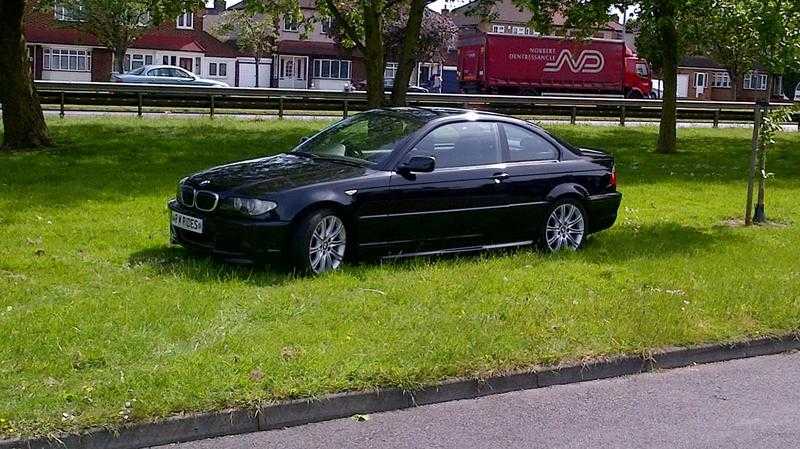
(418, 164)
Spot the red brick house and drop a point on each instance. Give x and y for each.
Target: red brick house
(59, 52)
(700, 78)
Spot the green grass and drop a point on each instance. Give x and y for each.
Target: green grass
(103, 323)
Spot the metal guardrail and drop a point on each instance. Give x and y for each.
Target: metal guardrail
(279, 101)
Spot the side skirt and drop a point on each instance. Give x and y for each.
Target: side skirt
(458, 250)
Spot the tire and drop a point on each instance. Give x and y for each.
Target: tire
(564, 227)
(325, 231)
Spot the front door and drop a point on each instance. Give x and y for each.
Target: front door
(293, 72)
(456, 205)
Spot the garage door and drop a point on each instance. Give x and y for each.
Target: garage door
(247, 74)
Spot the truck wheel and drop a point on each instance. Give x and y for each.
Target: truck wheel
(634, 95)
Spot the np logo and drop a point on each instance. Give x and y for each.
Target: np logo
(588, 61)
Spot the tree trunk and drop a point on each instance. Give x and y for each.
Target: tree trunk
(23, 120)
(119, 59)
(407, 60)
(760, 213)
(751, 175)
(257, 59)
(667, 134)
(734, 86)
(374, 54)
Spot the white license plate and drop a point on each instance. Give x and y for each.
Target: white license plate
(186, 222)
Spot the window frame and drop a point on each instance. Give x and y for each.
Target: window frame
(507, 150)
(499, 29)
(705, 79)
(750, 77)
(290, 27)
(318, 68)
(187, 23)
(63, 13)
(69, 53)
(715, 81)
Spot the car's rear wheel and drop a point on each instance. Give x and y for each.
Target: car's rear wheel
(320, 243)
(565, 227)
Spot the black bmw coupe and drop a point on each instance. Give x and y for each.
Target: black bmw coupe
(400, 182)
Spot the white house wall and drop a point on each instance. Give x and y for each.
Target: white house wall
(230, 76)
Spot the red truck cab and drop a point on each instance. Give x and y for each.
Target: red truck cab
(638, 80)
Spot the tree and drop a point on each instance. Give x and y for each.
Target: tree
(118, 23)
(436, 37)
(256, 28)
(23, 120)
(360, 23)
(728, 42)
(775, 29)
(662, 40)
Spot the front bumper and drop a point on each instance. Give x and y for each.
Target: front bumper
(230, 237)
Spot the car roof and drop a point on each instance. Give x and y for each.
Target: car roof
(162, 66)
(429, 114)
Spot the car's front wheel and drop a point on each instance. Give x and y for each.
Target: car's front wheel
(320, 243)
(565, 227)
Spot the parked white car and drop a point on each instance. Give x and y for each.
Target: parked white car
(797, 93)
(165, 74)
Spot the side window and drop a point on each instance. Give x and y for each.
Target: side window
(461, 145)
(525, 145)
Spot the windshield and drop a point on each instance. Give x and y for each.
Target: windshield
(369, 137)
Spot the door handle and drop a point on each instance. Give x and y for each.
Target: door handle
(500, 177)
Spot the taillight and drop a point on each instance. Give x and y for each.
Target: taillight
(613, 180)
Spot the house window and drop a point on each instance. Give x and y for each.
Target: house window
(390, 71)
(755, 81)
(67, 60)
(135, 61)
(327, 26)
(71, 13)
(700, 79)
(218, 69)
(520, 30)
(186, 21)
(721, 80)
(144, 19)
(332, 69)
(498, 28)
(289, 24)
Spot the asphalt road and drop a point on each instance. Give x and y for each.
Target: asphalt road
(751, 403)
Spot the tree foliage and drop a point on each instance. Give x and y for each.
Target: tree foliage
(256, 28)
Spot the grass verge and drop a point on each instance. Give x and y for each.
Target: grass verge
(104, 323)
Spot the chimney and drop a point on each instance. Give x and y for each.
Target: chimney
(219, 6)
(445, 11)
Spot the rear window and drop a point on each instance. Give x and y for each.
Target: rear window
(137, 71)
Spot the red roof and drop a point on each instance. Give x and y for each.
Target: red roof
(166, 42)
(40, 28)
(311, 48)
(188, 40)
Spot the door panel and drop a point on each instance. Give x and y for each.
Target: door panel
(462, 202)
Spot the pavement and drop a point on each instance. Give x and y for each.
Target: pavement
(748, 403)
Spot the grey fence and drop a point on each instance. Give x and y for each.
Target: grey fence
(141, 98)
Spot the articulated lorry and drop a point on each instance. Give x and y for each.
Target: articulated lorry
(531, 65)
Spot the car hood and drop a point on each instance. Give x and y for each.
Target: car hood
(273, 174)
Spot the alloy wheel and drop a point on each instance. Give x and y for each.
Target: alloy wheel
(565, 228)
(327, 245)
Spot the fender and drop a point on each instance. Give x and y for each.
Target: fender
(568, 190)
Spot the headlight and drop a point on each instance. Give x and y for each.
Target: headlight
(249, 206)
